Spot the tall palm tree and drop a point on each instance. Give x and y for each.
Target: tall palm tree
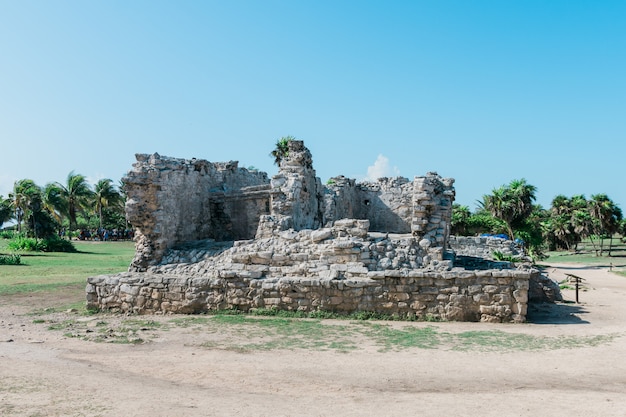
(6, 210)
(21, 198)
(76, 193)
(607, 217)
(53, 202)
(105, 195)
(511, 203)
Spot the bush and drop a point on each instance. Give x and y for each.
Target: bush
(10, 259)
(29, 244)
(8, 234)
(56, 244)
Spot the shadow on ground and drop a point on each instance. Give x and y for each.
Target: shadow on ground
(556, 313)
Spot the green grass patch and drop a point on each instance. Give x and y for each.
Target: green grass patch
(586, 254)
(389, 338)
(53, 271)
(499, 341)
(242, 333)
(246, 334)
(129, 331)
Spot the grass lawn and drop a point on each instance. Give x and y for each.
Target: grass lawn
(48, 271)
(585, 254)
(54, 282)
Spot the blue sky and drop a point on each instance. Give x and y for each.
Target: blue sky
(481, 91)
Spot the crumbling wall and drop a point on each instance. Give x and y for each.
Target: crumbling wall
(296, 192)
(341, 200)
(213, 236)
(172, 200)
(395, 205)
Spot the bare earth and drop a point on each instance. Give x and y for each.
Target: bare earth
(185, 372)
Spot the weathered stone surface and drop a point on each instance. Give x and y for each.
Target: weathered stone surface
(215, 236)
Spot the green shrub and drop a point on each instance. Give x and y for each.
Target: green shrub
(10, 259)
(8, 234)
(29, 244)
(55, 244)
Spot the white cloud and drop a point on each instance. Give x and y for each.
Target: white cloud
(381, 168)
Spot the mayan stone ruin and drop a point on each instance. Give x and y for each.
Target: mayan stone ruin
(214, 236)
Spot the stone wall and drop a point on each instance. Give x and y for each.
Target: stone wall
(172, 200)
(484, 246)
(488, 296)
(395, 205)
(296, 193)
(341, 268)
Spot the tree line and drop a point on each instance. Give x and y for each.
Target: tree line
(510, 210)
(56, 208)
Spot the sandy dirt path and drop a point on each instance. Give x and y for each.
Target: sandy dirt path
(44, 373)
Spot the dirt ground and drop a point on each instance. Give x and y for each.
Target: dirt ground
(45, 372)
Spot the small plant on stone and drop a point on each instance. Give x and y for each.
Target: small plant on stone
(499, 256)
(282, 149)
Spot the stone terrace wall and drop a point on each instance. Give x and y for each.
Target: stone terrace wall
(488, 296)
(342, 268)
(483, 246)
(174, 200)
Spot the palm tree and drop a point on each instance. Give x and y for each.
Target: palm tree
(76, 194)
(501, 207)
(6, 210)
(607, 217)
(21, 198)
(105, 195)
(511, 203)
(53, 202)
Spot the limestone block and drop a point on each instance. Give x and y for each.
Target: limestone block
(520, 309)
(490, 289)
(455, 313)
(321, 234)
(502, 299)
(521, 296)
(486, 318)
(481, 298)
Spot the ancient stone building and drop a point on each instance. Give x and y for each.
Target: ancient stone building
(215, 236)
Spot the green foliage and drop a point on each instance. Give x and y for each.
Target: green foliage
(25, 244)
(10, 259)
(51, 244)
(512, 203)
(483, 222)
(460, 220)
(56, 244)
(499, 256)
(331, 181)
(6, 210)
(8, 234)
(105, 195)
(281, 151)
